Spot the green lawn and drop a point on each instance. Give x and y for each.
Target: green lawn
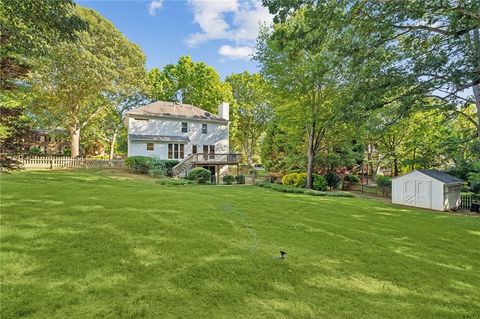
(97, 245)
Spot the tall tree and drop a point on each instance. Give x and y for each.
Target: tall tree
(74, 84)
(438, 44)
(254, 110)
(189, 82)
(308, 77)
(27, 27)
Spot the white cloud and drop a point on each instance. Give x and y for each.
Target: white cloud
(154, 6)
(236, 53)
(236, 21)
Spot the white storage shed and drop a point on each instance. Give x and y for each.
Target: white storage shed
(430, 189)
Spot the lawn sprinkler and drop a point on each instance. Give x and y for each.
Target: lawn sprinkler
(282, 255)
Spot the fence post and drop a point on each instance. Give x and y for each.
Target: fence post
(51, 163)
(362, 188)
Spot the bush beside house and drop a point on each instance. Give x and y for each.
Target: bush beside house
(150, 165)
(200, 175)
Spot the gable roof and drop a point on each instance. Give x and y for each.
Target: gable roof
(176, 110)
(441, 176)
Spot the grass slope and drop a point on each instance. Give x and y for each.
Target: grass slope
(84, 245)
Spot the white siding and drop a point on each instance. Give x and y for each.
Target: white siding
(419, 190)
(217, 135)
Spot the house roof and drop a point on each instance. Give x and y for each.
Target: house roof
(441, 176)
(158, 138)
(177, 110)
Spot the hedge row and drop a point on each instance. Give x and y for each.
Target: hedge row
(296, 190)
(150, 165)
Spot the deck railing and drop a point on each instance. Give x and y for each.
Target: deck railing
(44, 162)
(216, 158)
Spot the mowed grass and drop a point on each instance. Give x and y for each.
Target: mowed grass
(78, 244)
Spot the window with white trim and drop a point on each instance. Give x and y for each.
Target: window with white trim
(184, 127)
(150, 146)
(204, 129)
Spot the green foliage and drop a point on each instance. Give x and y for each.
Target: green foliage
(189, 82)
(319, 183)
(300, 180)
(332, 179)
(101, 66)
(34, 150)
(240, 179)
(352, 179)
(158, 171)
(140, 164)
(383, 181)
(474, 178)
(251, 94)
(175, 182)
(289, 179)
(228, 179)
(200, 175)
(296, 190)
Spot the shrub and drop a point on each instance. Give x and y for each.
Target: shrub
(319, 183)
(300, 180)
(34, 150)
(140, 164)
(228, 179)
(294, 190)
(158, 171)
(289, 179)
(383, 181)
(352, 179)
(200, 175)
(168, 164)
(332, 179)
(240, 179)
(174, 182)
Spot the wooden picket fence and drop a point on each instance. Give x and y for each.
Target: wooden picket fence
(41, 162)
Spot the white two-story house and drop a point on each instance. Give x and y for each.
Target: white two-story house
(183, 132)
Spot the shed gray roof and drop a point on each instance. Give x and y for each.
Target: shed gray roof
(173, 109)
(441, 176)
(158, 138)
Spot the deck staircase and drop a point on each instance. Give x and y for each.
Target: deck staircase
(182, 168)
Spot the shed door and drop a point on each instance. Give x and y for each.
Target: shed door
(409, 193)
(417, 193)
(423, 194)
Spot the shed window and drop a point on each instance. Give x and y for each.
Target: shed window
(184, 127)
(204, 129)
(150, 146)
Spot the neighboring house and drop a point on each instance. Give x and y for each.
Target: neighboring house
(50, 142)
(425, 188)
(170, 130)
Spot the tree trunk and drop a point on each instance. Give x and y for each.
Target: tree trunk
(476, 93)
(311, 158)
(112, 144)
(74, 139)
(395, 166)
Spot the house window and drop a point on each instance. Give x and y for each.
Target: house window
(184, 127)
(204, 129)
(140, 119)
(176, 151)
(194, 149)
(212, 151)
(150, 147)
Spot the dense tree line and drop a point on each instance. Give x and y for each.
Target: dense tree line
(343, 84)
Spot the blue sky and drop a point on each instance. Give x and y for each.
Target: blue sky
(220, 33)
